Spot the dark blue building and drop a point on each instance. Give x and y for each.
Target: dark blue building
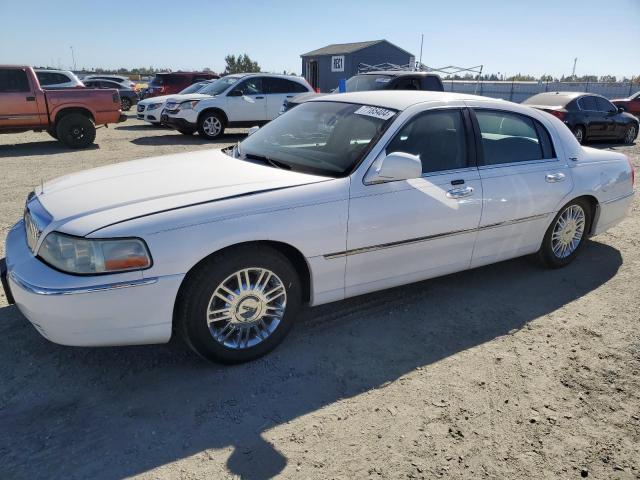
(323, 68)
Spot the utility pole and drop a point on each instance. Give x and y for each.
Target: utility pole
(573, 73)
(421, 43)
(73, 57)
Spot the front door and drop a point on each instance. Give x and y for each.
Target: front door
(405, 231)
(277, 91)
(595, 120)
(247, 102)
(18, 103)
(523, 182)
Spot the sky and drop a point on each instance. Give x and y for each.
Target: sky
(529, 37)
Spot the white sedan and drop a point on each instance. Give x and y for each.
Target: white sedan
(343, 195)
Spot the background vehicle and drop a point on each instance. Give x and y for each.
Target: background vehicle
(70, 115)
(57, 79)
(114, 78)
(238, 100)
(128, 96)
(630, 104)
(171, 83)
(380, 80)
(345, 195)
(588, 116)
(150, 109)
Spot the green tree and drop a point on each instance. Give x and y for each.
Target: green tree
(240, 64)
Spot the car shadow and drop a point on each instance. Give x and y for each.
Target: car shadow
(116, 412)
(145, 127)
(50, 147)
(608, 145)
(179, 139)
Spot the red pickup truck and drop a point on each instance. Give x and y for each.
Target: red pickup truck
(69, 115)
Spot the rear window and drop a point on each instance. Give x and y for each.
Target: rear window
(51, 78)
(360, 83)
(547, 99)
(13, 80)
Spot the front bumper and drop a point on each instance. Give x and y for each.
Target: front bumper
(177, 122)
(119, 309)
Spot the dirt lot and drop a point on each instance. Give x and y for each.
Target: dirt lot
(507, 371)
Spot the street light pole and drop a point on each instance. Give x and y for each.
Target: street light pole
(73, 57)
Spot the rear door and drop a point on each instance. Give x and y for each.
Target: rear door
(523, 182)
(247, 102)
(277, 90)
(615, 127)
(18, 102)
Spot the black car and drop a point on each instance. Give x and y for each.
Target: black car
(128, 96)
(588, 116)
(380, 80)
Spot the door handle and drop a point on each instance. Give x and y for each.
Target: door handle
(460, 192)
(554, 177)
(31, 99)
(259, 98)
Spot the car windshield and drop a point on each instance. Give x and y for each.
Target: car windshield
(196, 87)
(323, 138)
(360, 83)
(219, 86)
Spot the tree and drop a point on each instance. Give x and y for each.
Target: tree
(240, 64)
(608, 78)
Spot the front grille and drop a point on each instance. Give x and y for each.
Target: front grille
(140, 108)
(32, 231)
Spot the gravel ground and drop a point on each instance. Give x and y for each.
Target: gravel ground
(507, 371)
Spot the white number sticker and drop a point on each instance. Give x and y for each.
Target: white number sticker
(376, 112)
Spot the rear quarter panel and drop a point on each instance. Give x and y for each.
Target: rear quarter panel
(98, 102)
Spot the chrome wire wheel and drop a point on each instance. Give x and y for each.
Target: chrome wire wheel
(579, 134)
(246, 308)
(212, 126)
(630, 136)
(568, 231)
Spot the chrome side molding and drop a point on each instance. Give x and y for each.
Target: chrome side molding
(79, 290)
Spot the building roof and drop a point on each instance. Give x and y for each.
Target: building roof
(343, 48)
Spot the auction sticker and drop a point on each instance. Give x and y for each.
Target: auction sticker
(376, 112)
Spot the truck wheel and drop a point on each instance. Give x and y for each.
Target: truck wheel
(76, 130)
(210, 125)
(52, 131)
(125, 104)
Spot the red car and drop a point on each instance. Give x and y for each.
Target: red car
(630, 104)
(170, 83)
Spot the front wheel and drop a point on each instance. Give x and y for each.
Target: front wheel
(125, 104)
(630, 134)
(566, 235)
(578, 132)
(76, 130)
(238, 305)
(210, 125)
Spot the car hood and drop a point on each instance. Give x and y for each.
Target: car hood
(158, 99)
(187, 97)
(83, 202)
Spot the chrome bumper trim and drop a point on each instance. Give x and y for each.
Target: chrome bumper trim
(79, 290)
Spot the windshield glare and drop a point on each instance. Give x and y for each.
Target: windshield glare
(360, 83)
(196, 87)
(324, 138)
(219, 86)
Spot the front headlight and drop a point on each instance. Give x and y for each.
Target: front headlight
(190, 105)
(89, 256)
(153, 106)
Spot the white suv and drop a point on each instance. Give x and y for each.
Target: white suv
(57, 78)
(240, 100)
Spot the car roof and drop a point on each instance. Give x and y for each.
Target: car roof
(51, 70)
(556, 98)
(398, 99)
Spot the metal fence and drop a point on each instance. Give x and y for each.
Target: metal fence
(520, 91)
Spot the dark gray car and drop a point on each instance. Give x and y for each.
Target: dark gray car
(128, 96)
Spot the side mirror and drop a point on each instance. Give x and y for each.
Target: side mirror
(235, 93)
(620, 109)
(393, 167)
(253, 130)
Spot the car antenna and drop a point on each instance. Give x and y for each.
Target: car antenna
(41, 186)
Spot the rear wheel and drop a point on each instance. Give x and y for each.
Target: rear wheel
(125, 104)
(579, 133)
(630, 134)
(76, 130)
(239, 305)
(52, 132)
(566, 235)
(210, 125)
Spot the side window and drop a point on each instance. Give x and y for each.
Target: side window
(432, 84)
(437, 137)
(45, 78)
(282, 85)
(408, 83)
(604, 105)
(12, 81)
(509, 137)
(60, 78)
(252, 86)
(588, 103)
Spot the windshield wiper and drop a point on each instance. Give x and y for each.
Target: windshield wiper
(268, 161)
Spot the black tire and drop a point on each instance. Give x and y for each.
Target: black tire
(125, 104)
(76, 130)
(206, 132)
(156, 124)
(186, 131)
(630, 135)
(51, 131)
(580, 134)
(546, 254)
(197, 292)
